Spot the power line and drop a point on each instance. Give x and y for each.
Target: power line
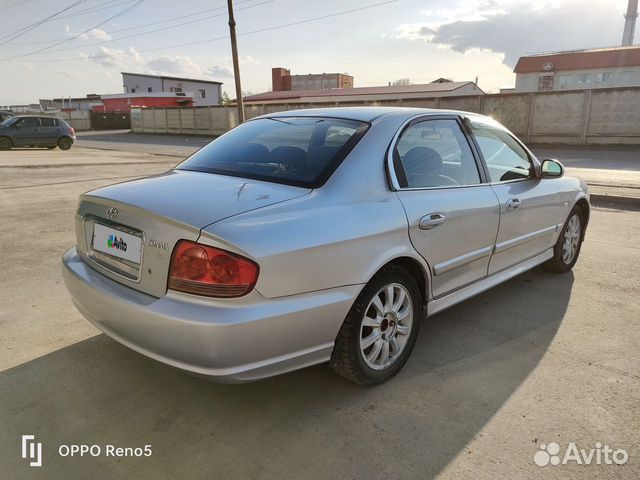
(133, 35)
(20, 32)
(15, 5)
(119, 14)
(276, 27)
(101, 6)
(136, 27)
(180, 18)
(208, 40)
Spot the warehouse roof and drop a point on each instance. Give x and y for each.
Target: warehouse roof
(580, 59)
(165, 77)
(428, 88)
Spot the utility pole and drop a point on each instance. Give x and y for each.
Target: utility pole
(236, 64)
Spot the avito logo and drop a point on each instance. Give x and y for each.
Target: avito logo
(116, 243)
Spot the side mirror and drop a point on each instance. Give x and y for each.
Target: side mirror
(551, 168)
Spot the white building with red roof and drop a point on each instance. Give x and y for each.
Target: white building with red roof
(579, 69)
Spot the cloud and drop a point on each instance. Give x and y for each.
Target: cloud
(115, 58)
(67, 74)
(220, 71)
(93, 34)
(175, 65)
(248, 60)
(520, 28)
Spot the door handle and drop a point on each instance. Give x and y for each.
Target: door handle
(513, 204)
(431, 221)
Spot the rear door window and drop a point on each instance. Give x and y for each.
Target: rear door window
(48, 122)
(435, 153)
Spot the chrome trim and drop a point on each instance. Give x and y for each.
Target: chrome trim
(411, 189)
(462, 260)
(474, 289)
(514, 242)
(431, 221)
(429, 116)
(114, 265)
(392, 171)
(112, 212)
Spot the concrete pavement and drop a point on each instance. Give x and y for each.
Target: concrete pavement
(544, 358)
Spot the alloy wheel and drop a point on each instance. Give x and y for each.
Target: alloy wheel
(571, 239)
(386, 326)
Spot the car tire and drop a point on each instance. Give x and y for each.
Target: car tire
(567, 247)
(5, 143)
(356, 356)
(65, 143)
(51, 147)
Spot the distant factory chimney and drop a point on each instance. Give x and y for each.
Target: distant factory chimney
(630, 22)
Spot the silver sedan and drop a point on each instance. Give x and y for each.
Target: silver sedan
(317, 236)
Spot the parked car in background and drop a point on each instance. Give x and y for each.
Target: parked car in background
(4, 114)
(316, 236)
(36, 131)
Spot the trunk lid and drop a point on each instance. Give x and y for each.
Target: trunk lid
(152, 214)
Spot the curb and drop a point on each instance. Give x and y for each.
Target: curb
(616, 201)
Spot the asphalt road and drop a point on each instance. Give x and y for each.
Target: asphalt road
(123, 140)
(544, 358)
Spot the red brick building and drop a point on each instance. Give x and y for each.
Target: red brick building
(282, 80)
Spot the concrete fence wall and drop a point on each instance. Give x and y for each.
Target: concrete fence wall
(598, 116)
(78, 119)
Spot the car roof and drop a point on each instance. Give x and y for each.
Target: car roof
(33, 115)
(366, 114)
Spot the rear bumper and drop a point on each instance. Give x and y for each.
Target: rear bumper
(230, 340)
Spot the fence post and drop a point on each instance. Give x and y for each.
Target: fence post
(529, 118)
(586, 113)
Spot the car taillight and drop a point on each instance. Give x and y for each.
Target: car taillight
(73, 131)
(203, 270)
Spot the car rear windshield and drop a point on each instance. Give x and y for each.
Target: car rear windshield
(301, 151)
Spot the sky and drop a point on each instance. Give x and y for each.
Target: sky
(54, 48)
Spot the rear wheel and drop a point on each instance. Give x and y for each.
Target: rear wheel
(381, 328)
(5, 143)
(65, 143)
(567, 248)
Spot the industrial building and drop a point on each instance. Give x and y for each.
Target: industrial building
(579, 69)
(282, 80)
(583, 69)
(360, 94)
(204, 92)
(123, 102)
(70, 103)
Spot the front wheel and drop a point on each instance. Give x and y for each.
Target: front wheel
(567, 248)
(381, 328)
(65, 143)
(5, 143)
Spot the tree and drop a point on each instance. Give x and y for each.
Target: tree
(401, 81)
(225, 99)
